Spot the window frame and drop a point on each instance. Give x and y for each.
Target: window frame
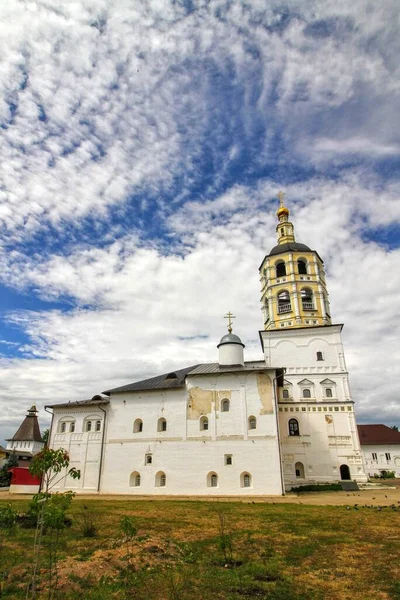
(204, 423)
(252, 423)
(293, 430)
(137, 426)
(225, 405)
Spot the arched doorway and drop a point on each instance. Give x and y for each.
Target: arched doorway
(299, 469)
(344, 472)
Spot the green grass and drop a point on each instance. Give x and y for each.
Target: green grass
(285, 552)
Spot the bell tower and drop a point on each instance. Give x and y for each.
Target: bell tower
(293, 287)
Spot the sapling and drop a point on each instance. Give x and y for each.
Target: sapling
(50, 508)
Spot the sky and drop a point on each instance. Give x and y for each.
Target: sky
(142, 146)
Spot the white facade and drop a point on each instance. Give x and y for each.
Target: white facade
(379, 458)
(34, 447)
(216, 435)
(323, 446)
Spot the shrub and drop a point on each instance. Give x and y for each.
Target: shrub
(8, 517)
(315, 487)
(87, 522)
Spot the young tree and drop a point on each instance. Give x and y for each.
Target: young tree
(49, 508)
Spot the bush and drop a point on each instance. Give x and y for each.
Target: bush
(87, 521)
(8, 517)
(5, 475)
(385, 475)
(315, 487)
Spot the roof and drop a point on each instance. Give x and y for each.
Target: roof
(176, 379)
(230, 338)
(29, 430)
(377, 434)
(290, 246)
(2, 450)
(95, 401)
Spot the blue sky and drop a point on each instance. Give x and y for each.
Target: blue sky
(142, 149)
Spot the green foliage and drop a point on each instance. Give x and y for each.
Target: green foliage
(128, 526)
(45, 436)
(5, 476)
(8, 517)
(87, 522)
(385, 475)
(323, 487)
(49, 463)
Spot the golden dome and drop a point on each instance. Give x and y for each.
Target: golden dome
(282, 211)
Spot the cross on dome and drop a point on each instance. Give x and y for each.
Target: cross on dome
(281, 196)
(229, 316)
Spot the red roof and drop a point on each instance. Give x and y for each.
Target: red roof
(377, 434)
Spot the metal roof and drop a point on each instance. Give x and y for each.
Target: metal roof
(230, 338)
(177, 378)
(91, 402)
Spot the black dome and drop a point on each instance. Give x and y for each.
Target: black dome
(291, 246)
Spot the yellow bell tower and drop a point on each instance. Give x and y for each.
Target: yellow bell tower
(293, 287)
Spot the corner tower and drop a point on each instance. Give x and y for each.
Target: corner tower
(293, 287)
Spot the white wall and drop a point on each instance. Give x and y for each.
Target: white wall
(328, 434)
(184, 452)
(381, 463)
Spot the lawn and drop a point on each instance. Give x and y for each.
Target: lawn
(220, 550)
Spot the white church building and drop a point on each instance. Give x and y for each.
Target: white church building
(230, 427)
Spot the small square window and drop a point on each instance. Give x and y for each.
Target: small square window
(320, 356)
(336, 408)
(387, 454)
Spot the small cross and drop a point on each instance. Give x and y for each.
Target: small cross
(281, 196)
(229, 316)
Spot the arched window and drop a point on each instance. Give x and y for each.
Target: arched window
(245, 480)
(280, 269)
(161, 479)
(252, 423)
(320, 356)
(98, 426)
(72, 426)
(307, 299)
(299, 469)
(134, 479)
(284, 305)
(63, 427)
(302, 267)
(212, 480)
(138, 426)
(294, 427)
(285, 394)
(162, 425)
(88, 426)
(225, 405)
(148, 459)
(203, 424)
(306, 393)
